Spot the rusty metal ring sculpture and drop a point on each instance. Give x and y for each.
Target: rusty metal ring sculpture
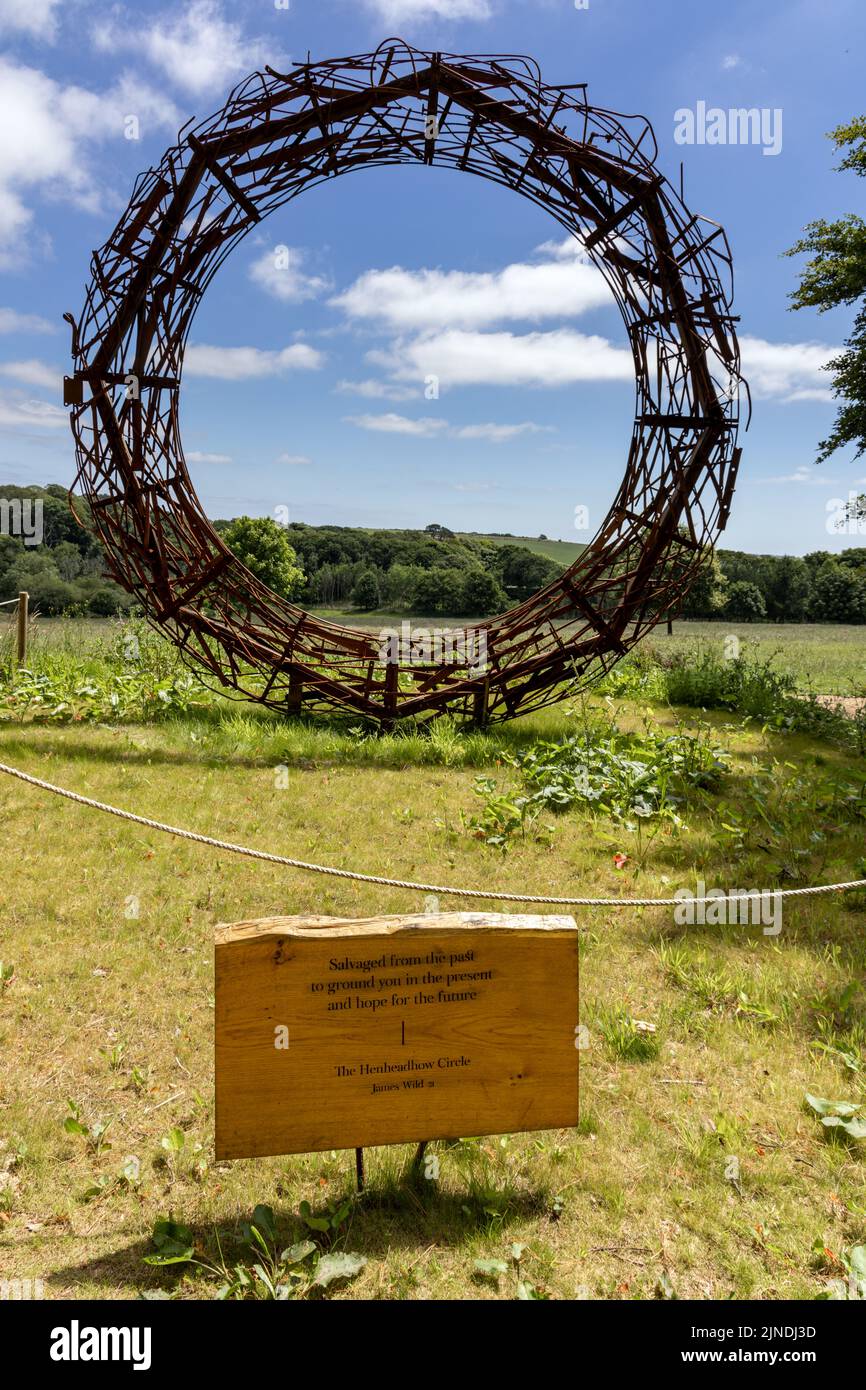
(281, 133)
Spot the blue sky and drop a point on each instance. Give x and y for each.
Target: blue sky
(304, 379)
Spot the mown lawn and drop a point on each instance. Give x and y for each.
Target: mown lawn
(113, 1012)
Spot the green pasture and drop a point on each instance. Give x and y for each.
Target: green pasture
(698, 1169)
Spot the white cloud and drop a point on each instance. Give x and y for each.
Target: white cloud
(810, 476)
(279, 273)
(400, 11)
(786, 371)
(35, 18)
(47, 129)
(377, 390)
(242, 363)
(195, 456)
(810, 393)
(32, 372)
(292, 460)
(13, 322)
(439, 315)
(424, 428)
(197, 48)
(506, 359)
(499, 434)
(569, 249)
(397, 424)
(731, 60)
(431, 299)
(16, 411)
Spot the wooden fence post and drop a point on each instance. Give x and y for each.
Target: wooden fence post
(23, 613)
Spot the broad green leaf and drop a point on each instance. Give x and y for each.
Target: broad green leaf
(831, 1107)
(174, 1244)
(318, 1223)
(99, 1188)
(183, 1257)
(340, 1215)
(263, 1218)
(856, 1128)
(526, 1292)
(296, 1253)
(131, 1168)
(344, 1265)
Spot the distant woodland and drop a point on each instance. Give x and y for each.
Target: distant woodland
(427, 572)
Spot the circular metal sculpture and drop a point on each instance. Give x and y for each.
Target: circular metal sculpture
(281, 133)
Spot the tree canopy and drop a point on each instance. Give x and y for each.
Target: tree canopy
(264, 547)
(413, 572)
(835, 276)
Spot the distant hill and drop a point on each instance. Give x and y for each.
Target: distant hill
(562, 553)
(434, 572)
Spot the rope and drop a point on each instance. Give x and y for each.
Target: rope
(409, 884)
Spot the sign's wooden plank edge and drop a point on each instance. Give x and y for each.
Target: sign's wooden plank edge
(367, 1139)
(312, 926)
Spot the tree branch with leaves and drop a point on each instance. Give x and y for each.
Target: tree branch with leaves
(836, 276)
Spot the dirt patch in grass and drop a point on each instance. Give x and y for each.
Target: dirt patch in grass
(850, 705)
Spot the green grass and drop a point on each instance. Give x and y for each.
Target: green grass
(828, 659)
(703, 1040)
(563, 552)
(380, 618)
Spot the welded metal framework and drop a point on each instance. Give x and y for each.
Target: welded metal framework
(278, 135)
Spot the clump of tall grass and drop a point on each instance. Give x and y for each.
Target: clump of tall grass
(640, 675)
(759, 689)
(271, 739)
(751, 993)
(745, 684)
(626, 1038)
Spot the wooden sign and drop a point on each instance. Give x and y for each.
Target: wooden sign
(335, 1034)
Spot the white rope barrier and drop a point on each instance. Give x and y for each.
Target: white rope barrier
(409, 884)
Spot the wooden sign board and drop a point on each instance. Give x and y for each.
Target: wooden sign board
(335, 1034)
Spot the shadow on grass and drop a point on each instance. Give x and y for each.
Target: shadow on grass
(86, 751)
(398, 1215)
(303, 743)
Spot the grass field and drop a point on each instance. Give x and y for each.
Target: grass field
(828, 659)
(825, 658)
(563, 552)
(697, 1168)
